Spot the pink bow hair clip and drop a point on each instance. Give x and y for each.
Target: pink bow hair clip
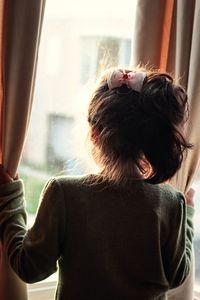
(133, 80)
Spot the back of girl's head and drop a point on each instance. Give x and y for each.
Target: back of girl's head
(139, 128)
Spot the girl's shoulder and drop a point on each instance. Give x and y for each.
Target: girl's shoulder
(163, 193)
(77, 182)
(168, 195)
(171, 191)
(89, 180)
(165, 188)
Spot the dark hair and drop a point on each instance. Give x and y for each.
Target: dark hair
(144, 129)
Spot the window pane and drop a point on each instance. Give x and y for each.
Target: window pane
(79, 40)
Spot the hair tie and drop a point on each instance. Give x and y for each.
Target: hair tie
(133, 80)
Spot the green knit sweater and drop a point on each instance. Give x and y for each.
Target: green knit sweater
(109, 242)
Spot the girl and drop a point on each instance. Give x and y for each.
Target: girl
(122, 233)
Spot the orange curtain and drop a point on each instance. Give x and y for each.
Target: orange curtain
(167, 37)
(1, 73)
(20, 28)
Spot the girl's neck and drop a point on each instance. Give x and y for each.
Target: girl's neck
(122, 173)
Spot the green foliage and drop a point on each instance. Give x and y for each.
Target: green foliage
(33, 187)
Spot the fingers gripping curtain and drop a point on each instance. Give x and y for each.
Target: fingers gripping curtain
(167, 36)
(21, 22)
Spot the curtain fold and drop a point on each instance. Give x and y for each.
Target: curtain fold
(1, 73)
(21, 23)
(167, 37)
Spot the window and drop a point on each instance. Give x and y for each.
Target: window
(79, 39)
(53, 58)
(97, 53)
(59, 145)
(75, 48)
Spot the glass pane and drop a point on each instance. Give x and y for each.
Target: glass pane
(79, 40)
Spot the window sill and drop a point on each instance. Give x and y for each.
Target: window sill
(196, 295)
(46, 291)
(42, 290)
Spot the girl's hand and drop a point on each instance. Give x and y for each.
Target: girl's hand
(4, 176)
(189, 197)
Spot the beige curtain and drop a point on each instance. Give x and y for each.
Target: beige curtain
(167, 36)
(20, 22)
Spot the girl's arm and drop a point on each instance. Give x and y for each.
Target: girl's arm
(177, 253)
(33, 254)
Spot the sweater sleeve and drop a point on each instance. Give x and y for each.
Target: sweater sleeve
(178, 250)
(33, 254)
